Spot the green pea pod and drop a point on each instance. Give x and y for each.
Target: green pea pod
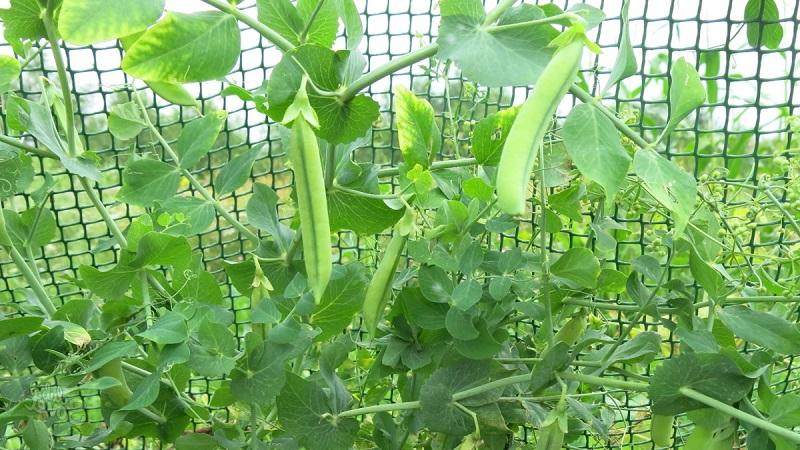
(661, 430)
(312, 205)
(380, 287)
(117, 396)
(532, 122)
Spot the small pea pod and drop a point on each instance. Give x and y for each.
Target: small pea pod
(312, 203)
(532, 122)
(661, 430)
(117, 396)
(380, 287)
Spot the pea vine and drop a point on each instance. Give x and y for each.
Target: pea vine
(495, 282)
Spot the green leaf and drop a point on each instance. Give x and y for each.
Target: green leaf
(353, 27)
(213, 351)
(669, 184)
(236, 172)
(37, 119)
(712, 374)
(109, 352)
(84, 22)
(146, 181)
(578, 267)
(642, 348)
(260, 376)
(24, 20)
(289, 22)
(341, 301)
(34, 227)
(304, 411)
(512, 57)
(594, 146)
(162, 250)
(466, 294)
(110, 284)
(173, 93)
(196, 441)
(262, 212)
(763, 29)
(417, 133)
(10, 69)
(37, 435)
(16, 171)
(340, 123)
(125, 121)
(183, 48)
(436, 285)
(365, 216)
(686, 94)
(439, 412)
(168, 329)
(19, 326)
(145, 393)
(197, 213)
(626, 64)
(765, 329)
(46, 347)
(708, 277)
(197, 138)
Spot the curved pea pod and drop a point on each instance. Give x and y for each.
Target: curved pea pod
(661, 430)
(530, 126)
(380, 287)
(118, 396)
(312, 205)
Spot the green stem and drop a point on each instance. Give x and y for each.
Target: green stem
(498, 11)
(438, 165)
(61, 68)
(336, 187)
(116, 233)
(387, 69)
(41, 152)
(606, 382)
(307, 27)
(270, 34)
(32, 56)
(741, 415)
(240, 227)
(544, 256)
(527, 23)
(330, 164)
(783, 210)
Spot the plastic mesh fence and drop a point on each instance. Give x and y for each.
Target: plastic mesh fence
(743, 127)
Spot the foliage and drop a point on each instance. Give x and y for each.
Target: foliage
(443, 337)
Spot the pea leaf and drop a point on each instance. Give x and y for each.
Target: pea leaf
(354, 29)
(146, 181)
(197, 138)
(764, 329)
(84, 22)
(669, 184)
(712, 374)
(260, 376)
(24, 20)
(16, 171)
(125, 120)
(236, 172)
(626, 64)
(145, 393)
(708, 277)
(110, 284)
(109, 352)
(196, 441)
(290, 22)
(340, 123)
(417, 133)
(578, 267)
(36, 227)
(183, 48)
(365, 216)
(763, 28)
(594, 145)
(642, 348)
(304, 410)
(10, 70)
(163, 250)
(213, 351)
(686, 94)
(494, 58)
(197, 214)
(341, 301)
(466, 294)
(168, 329)
(19, 326)
(262, 212)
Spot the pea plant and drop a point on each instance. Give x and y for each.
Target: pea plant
(489, 304)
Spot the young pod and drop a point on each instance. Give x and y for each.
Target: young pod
(380, 287)
(661, 430)
(312, 204)
(530, 126)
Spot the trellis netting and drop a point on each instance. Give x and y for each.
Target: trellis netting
(741, 138)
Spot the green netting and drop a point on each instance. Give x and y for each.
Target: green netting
(742, 129)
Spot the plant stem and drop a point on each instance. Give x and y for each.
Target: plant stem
(240, 227)
(437, 165)
(336, 187)
(387, 69)
(41, 152)
(498, 11)
(270, 34)
(527, 23)
(61, 68)
(741, 415)
(104, 213)
(606, 382)
(783, 210)
(307, 27)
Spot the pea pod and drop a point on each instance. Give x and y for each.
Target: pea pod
(528, 129)
(380, 287)
(118, 396)
(661, 430)
(312, 203)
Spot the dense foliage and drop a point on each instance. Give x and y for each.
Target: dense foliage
(495, 297)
